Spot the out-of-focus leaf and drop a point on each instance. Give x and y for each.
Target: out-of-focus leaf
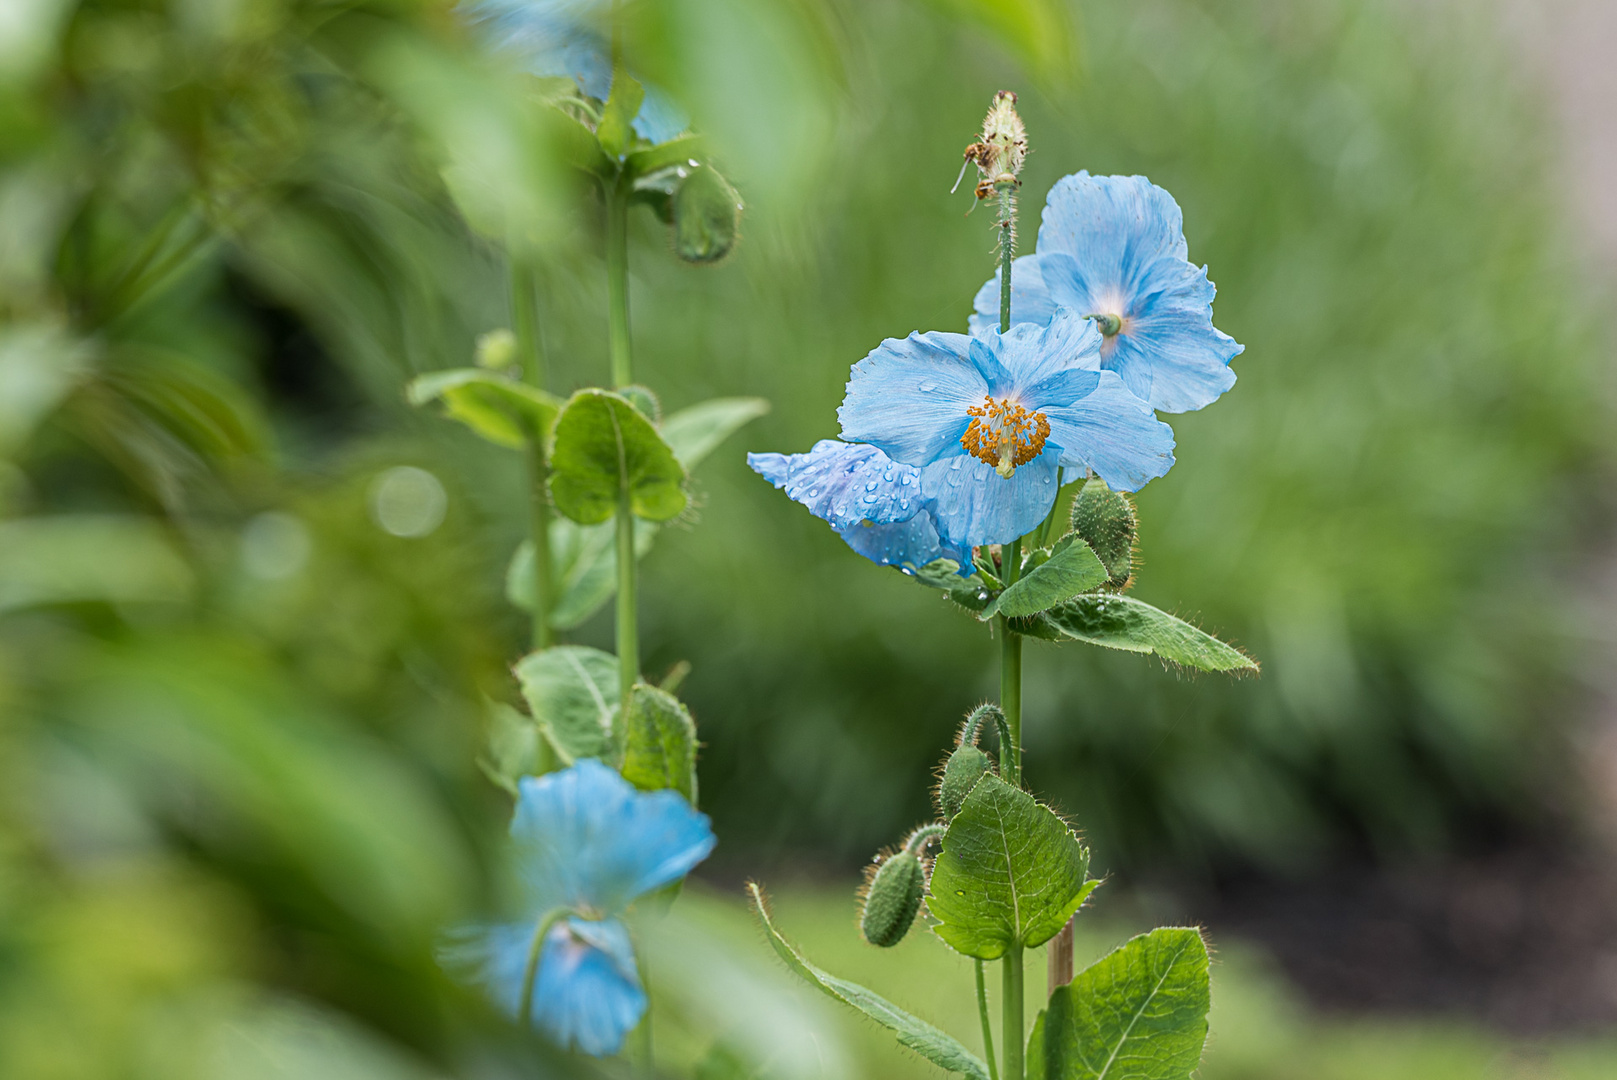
(202, 409)
(660, 738)
(215, 742)
(603, 446)
(936, 1046)
(1042, 32)
(39, 362)
(706, 214)
(1139, 1013)
(1010, 874)
(695, 432)
(683, 150)
(501, 410)
(1122, 622)
(573, 694)
(515, 748)
(616, 131)
(584, 561)
(87, 557)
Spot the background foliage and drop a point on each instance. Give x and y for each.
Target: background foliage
(245, 660)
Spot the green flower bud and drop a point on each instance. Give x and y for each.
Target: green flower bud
(496, 349)
(894, 887)
(644, 402)
(1105, 520)
(707, 216)
(965, 767)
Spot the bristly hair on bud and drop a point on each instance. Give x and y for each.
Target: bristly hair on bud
(895, 885)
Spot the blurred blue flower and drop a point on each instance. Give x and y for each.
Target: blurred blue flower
(560, 39)
(873, 502)
(587, 844)
(1113, 247)
(989, 419)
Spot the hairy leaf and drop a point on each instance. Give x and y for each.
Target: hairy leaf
(1069, 571)
(1122, 622)
(1139, 1013)
(1010, 873)
(501, 410)
(937, 1047)
(603, 445)
(572, 692)
(660, 750)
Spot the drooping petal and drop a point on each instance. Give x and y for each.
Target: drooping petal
(973, 504)
(1113, 226)
(874, 503)
(587, 839)
(1030, 300)
(586, 994)
(910, 395)
(1110, 431)
(845, 483)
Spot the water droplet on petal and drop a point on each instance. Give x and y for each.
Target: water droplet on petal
(903, 504)
(927, 387)
(907, 479)
(871, 486)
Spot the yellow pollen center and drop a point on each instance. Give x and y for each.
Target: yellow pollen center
(1004, 434)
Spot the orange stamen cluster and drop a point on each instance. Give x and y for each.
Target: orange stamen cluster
(1004, 434)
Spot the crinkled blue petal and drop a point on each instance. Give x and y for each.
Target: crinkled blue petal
(1108, 430)
(587, 993)
(910, 395)
(874, 503)
(845, 483)
(1030, 300)
(1030, 353)
(586, 839)
(973, 504)
(1115, 245)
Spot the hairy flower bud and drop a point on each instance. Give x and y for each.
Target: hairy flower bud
(1001, 150)
(1104, 519)
(894, 889)
(965, 767)
(496, 349)
(706, 216)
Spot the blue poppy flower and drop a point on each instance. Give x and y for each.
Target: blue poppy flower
(873, 502)
(990, 419)
(1113, 248)
(559, 39)
(587, 844)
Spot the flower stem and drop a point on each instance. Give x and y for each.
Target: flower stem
(617, 285)
(1007, 251)
(988, 1028)
(524, 322)
(617, 279)
(530, 972)
(1010, 1027)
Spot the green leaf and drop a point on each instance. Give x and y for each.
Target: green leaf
(603, 445)
(572, 692)
(681, 150)
(1122, 622)
(934, 1045)
(696, 432)
(515, 748)
(1068, 572)
(1010, 873)
(660, 750)
(1139, 1013)
(77, 558)
(707, 216)
(501, 410)
(584, 561)
(616, 130)
(944, 574)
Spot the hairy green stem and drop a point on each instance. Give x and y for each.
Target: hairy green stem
(617, 279)
(988, 1028)
(1007, 251)
(525, 324)
(530, 972)
(1010, 1027)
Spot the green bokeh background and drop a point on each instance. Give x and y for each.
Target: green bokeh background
(237, 751)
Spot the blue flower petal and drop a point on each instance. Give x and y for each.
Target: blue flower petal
(973, 504)
(1032, 352)
(1115, 245)
(1030, 300)
(587, 993)
(588, 840)
(874, 503)
(1110, 431)
(910, 395)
